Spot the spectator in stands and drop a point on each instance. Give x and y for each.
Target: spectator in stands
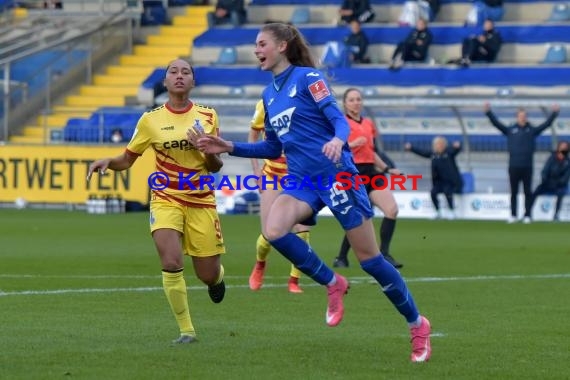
(359, 10)
(434, 6)
(182, 221)
(482, 10)
(228, 11)
(555, 176)
(117, 136)
(52, 4)
(521, 137)
(445, 176)
(481, 48)
(414, 48)
(413, 10)
(357, 44)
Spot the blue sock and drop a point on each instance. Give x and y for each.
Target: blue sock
(393, 286)
(303, 257)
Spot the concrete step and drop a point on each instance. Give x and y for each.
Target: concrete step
(170, 40)
(190, 20)
(138, 60)
(117, 80)
(163, 51)
(143, 71)
(108, 90)
(27, 139)
(95, 101)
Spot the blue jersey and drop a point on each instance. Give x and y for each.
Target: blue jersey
(303, 113)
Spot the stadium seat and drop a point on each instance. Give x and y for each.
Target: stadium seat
(468, 182)
(560, 12)
(436, 91)
(301, 16)
(505, 91)
(228, 56)
(555, 54)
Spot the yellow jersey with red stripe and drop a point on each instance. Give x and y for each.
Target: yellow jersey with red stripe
(165, 130)
(276, 167)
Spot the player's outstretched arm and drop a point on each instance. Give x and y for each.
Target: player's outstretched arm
(121, 162)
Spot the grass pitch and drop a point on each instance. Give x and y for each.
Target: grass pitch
(81, 297)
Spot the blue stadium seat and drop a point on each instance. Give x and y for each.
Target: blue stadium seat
(505, 91)
(228, 56)
(555, 54)
(301, 15)
(468, 183)
(560, 12)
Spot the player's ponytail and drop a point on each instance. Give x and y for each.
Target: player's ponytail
(297, 52)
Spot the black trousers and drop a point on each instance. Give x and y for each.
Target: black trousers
(408, 52)
(543, 188)
(516, 176)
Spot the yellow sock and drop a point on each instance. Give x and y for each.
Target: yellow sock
(262, 248)
(175, 289)
(294, 271)
(221, 275)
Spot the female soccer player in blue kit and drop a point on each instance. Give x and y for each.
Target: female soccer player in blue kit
(304, 120)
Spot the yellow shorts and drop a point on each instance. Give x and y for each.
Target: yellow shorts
(272, 179)
(200, 227)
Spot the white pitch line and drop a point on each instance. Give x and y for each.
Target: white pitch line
(354, 280)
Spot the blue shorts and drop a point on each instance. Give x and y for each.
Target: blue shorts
(350, 207)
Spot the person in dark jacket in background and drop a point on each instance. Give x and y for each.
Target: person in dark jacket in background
(356, 43)
(414, 47)
(434, 6)
(555, 176)
(445, 174)
(228, 11)
(359, 10)
(521, 144)
(480, 48)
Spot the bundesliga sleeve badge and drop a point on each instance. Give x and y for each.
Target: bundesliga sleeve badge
(319, 90)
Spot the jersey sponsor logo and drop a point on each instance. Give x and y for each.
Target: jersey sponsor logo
(313, 74)
(178, 144)
(319, 90)
(282, 121)
(169, 128)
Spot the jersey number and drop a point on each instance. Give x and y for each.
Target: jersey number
(337, 196)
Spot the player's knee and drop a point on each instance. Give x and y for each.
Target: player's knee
(172, 265)
(207, 277)
(391, 211)
(274, 233)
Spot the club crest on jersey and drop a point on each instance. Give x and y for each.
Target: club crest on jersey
(198, 126)
(319, 90)
(282, 121)
(292, 91)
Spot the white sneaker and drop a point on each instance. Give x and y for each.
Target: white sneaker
(511, 220)
(437, 215)
(451, 215)
(526, 220)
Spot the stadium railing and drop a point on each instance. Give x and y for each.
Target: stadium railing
(52, 67)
